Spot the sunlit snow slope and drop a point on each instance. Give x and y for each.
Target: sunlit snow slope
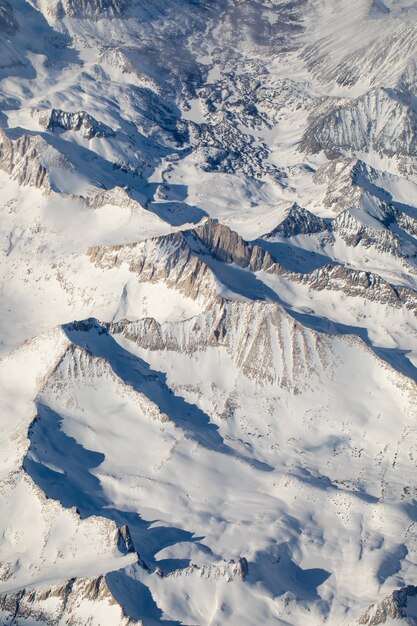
(208, 332)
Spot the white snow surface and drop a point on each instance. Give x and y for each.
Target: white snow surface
(208, 335)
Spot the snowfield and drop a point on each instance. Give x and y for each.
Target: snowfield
(208, 332)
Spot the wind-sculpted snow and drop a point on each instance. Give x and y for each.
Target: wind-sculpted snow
(32, 552)
(233, 415)
(208, 330)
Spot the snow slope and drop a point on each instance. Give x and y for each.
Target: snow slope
(208, 335)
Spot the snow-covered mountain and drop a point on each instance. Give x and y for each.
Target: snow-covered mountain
(208, 332)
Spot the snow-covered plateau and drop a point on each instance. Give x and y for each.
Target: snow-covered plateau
(208, 329)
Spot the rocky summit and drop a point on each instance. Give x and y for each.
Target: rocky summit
(208, 330)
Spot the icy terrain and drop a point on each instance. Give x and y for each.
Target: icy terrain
(208, 331)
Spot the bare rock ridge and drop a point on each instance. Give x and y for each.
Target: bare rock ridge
(263, 332)
(228, 570)
(22, 159)
(350, 228)
(183, 263)
(79, 121)
(75, 364)
(383, 59)
(341, 190)
(227, 246)
(339, 133)
(49, 606)
(223, 195)
(25, 594)
(400, 608)
(177, 266)
(298, 221)
(88, 9)
(348, 181)
(359, 283)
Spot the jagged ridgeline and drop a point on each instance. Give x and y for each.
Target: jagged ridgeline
(208, 332)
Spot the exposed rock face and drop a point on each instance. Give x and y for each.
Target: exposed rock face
(406, 222)
(349, 182)
(353, 233)
(93, 9)
(373, 62)
(229, 247)
(190, 403)
(340, 132)
(168, 259)
(49, 606)
(226, 245)
(178, 260)
(77, 365)
(182, 260)
(82, 122)
(229, 570)
(228, 150)
(400, 606)
(30, 160)
(117, 196)
(22, 159)
(338, 177)
(257, 335)
(298, 221)
(358, 283)
(125, 542)
(380, 59)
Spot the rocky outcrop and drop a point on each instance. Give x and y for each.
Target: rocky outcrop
(268, 345)
(384, 55)
(229, 247)
(400, 606)
(167, 259)
(358, 283)
(117, 196)
(226, 245)
(22, 159)
(228, 570)
(354, 232)
(124, 539)
(181, 261)
(76, 601)
(31, 161)
(337, 176)
(381, 121)
(78, 365)
(298, 221)
(80, 121)
(87, 9)
(224, 147)
(407, 222)
(350, 183)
